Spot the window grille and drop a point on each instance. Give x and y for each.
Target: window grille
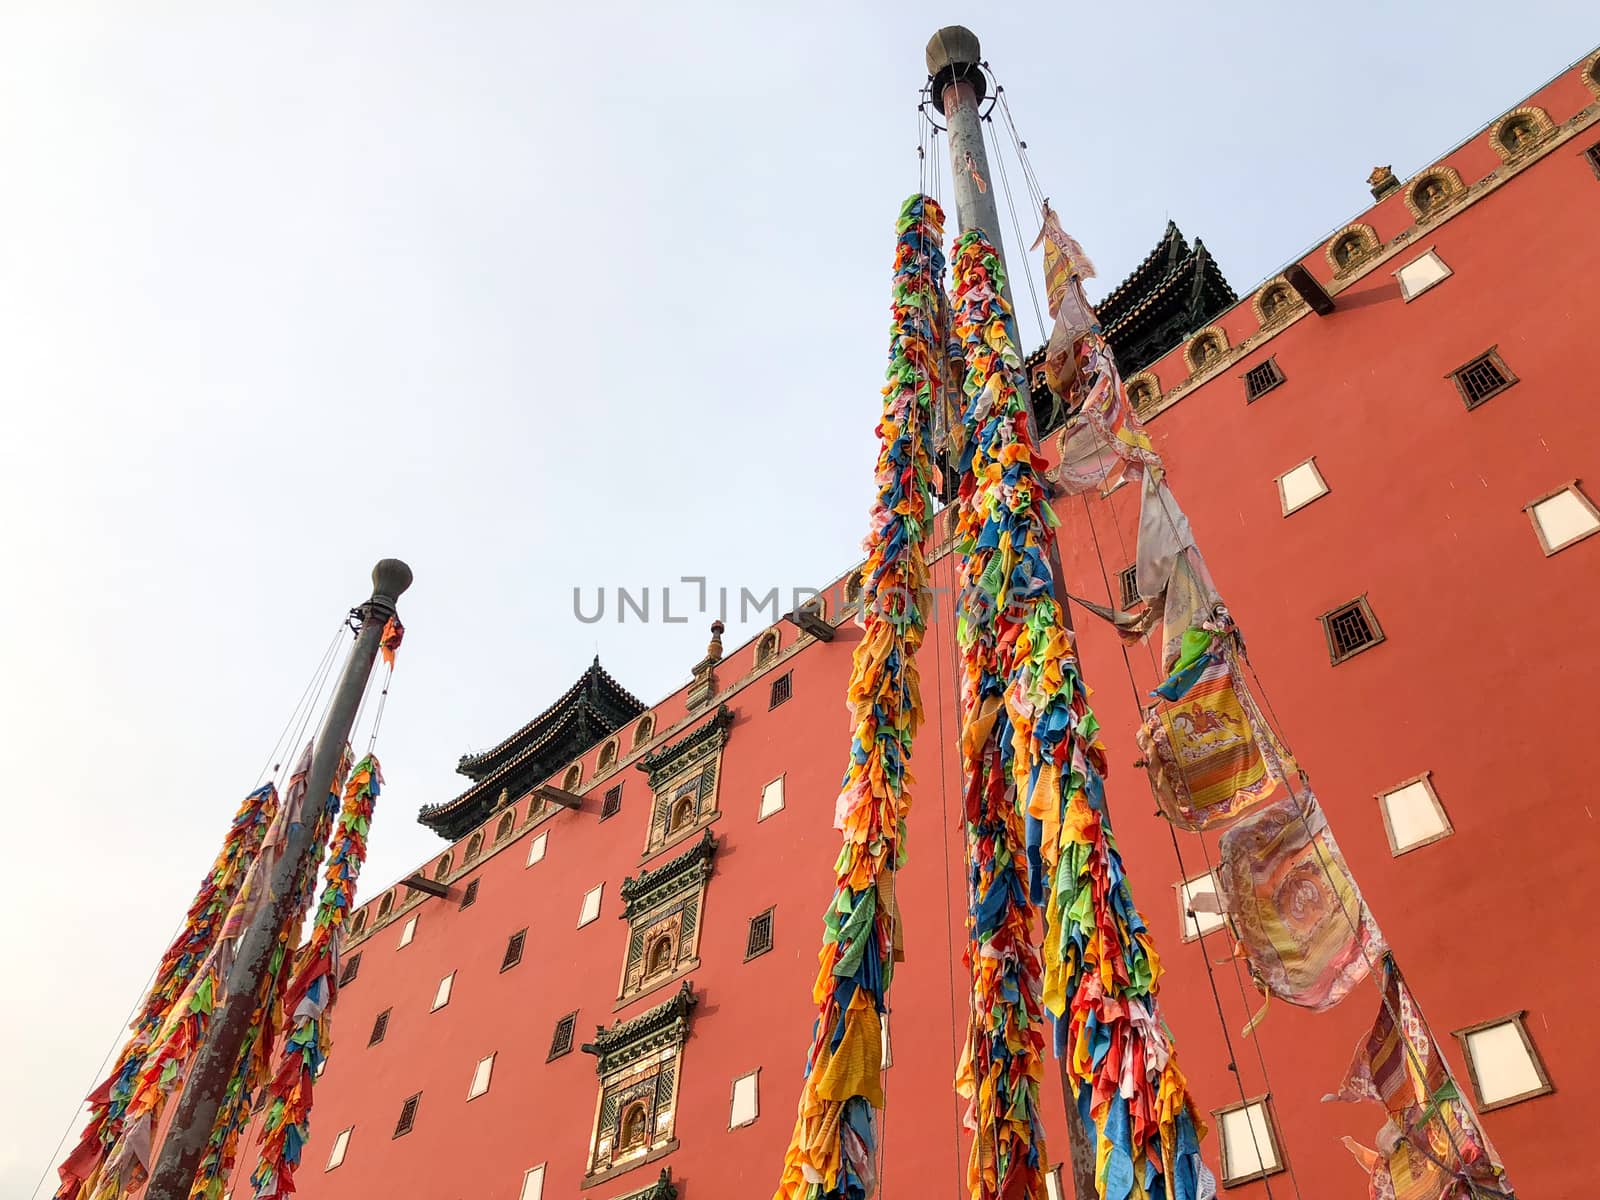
(347, 973)
(1592, 157)
(1260, 380)
(561, 1042)
(759, 940)
(408, 1115)
(1128, 579)
(470, 896)
(380, 1027)
(613, 802)
(1350, 628)
(1482, 378)
(513, 953)
(782, 689)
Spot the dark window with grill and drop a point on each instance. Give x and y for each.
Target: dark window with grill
(1260, 380)
(348, 971)
(408, 1115)
(561, 1042)
(380, 1026)
(1128, 579)
(514, 950)
(782, 689)
(1592, 155)
(1483, 377)
(759, 939)
(612, 804)
(470, 896)
(1350, 628)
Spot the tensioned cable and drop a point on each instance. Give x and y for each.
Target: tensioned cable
(301, 710)
(1373, 964)
(1016, 226)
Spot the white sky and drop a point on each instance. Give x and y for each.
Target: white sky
(594, 295)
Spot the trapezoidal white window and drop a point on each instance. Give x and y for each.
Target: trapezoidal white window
(532, 1184)
(441, 994)
(1199, 906)
(1052, 1184)
(1249, 1142)
(1562, 518)
(746, 1103)
(480, 1077)
(536, 848)
(407, 932)
(1420, 274)
(591, 905)
(1505, 1067)
(1412, 815)
(1299, 486)
(341, 1143)
(771, 799)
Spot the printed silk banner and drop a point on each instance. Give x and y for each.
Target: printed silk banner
(1295, 908)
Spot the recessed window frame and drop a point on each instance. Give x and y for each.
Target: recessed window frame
(441, 994)
(1283, 495)
(1591, 155)
(1052, 1183)
(516, 944)
(1262, 378)
(733, 1098)
(782, 690)
(349, 969)
(1426, 780)
(470, 896)
(1128, 585)
(537, 846)
(380, 1030)
(1508, 378)
(408, 1115)
(532, 1183)
(762, 811)
(1194, 927)
(611, 805)
(1335, 655)
(340, 1147)
(561, 1044)
(1406, 293)
(749, 937)
(485, 1069)
(598, 892)
(1544, 543)
(1515, 1019)
(1274, 1139)
(408, 933)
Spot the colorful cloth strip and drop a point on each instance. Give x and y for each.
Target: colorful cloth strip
(1432, 1146)
(312, 992)
(1101, 970)
(1006, 618)
(831, 1154)
(82, 1173)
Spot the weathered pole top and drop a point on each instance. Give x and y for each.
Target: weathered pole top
(953, 56)
(390, 578)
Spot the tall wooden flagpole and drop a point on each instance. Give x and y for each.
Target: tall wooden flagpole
(203, 1089)
(958, 87)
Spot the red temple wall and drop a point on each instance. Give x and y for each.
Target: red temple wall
(1482, 680)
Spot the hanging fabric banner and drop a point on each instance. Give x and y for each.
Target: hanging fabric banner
(1211, 756)
(82, 1172)
(312, 992)
(1038, 827)
(1299, 917)
(1432, 1146)
(831, 1153)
